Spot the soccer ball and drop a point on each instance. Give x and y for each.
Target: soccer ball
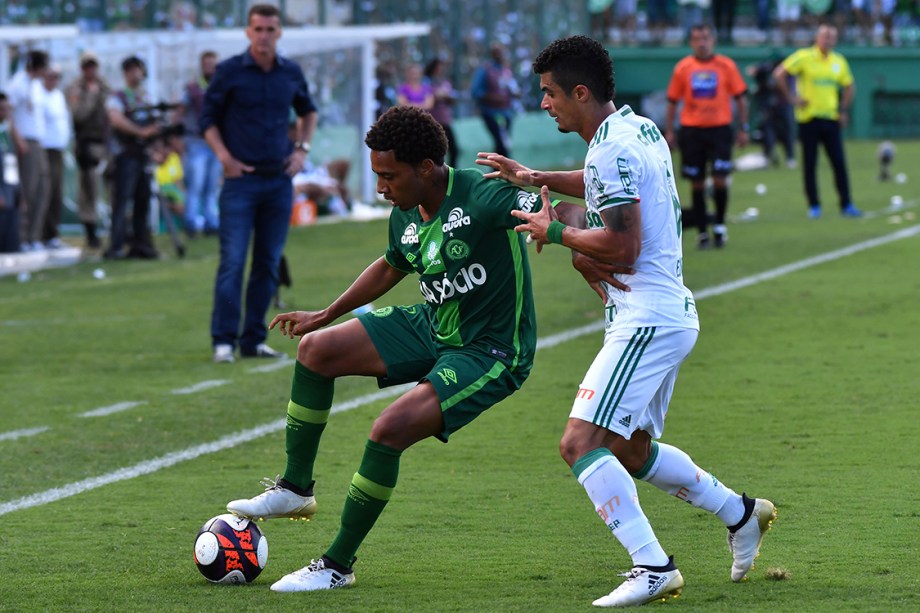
(230, 550)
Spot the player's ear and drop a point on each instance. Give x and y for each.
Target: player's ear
(581, 93)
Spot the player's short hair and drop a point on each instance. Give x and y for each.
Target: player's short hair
(263, 10)
(207, 54)
(411, 133)
(578, 60)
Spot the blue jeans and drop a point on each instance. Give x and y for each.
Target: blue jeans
(249, 206)
(202, 182)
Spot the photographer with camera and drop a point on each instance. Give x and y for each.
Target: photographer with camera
(133, 124)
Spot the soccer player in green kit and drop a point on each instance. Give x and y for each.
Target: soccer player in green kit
(467, 346)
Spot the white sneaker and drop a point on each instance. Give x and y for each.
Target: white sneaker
(274, 502)
(314, 577)
(744, 543)
(223, 354)
(643, 585)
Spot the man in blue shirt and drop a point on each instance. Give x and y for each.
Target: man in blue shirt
(244, 119)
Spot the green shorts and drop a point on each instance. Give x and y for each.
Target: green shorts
(468, 380)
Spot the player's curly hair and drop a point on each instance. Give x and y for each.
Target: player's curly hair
(578, 60)
(411, 133)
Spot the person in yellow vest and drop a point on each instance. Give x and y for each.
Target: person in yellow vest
(822, 97)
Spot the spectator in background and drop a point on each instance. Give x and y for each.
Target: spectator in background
(691, 12)
(723, 16)
(9, 218)
(325, 186)
(87, 96)
(869, 13)
(248, 132)
(414, 91)
(27, 97)
(774, 110)
(385, 91)
(822, 97)
(626, 21)
(169, 174)
(659, 18)
(55, 142)
(202, 169)
(600, 13)
(132, 125)
(706, 83)
(443, 110)
(494, 90)
(788, 13)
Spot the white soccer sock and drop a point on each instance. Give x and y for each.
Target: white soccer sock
(614, 495)
(674, 472)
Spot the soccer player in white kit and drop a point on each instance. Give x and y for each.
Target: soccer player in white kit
(632, 222)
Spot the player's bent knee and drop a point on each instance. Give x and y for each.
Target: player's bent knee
(314, 353)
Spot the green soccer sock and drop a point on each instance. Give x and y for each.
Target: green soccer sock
(308, 412)
(368, 494)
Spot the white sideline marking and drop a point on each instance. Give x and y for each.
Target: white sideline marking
(12, 435)
(113, 408)
(203, 385)
(274, 365)
(227, 442)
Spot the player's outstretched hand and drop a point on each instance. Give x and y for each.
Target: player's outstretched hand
(536, 224)
(297, 323)
(505, 168)
(595, 272)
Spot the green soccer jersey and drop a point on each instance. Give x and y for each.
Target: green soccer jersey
(473, 267)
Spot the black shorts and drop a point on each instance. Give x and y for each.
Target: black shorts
(700, 147)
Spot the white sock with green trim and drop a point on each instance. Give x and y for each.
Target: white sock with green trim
(614, 495)
(674, 472)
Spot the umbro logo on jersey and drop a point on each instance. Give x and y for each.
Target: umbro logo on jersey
(455, 219)
(410, 235)
(625, 421)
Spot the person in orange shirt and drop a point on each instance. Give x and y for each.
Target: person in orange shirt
(706, 83)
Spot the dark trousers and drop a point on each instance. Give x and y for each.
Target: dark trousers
(55, 193)
(453, 152)
(498, 123)
(131, 183)
(825, 132)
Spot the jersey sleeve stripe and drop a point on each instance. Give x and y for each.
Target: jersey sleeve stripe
(606, 204)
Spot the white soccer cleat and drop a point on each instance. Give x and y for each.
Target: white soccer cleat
(744, 543)
(274, 502)
(643, 585)
(314, 577)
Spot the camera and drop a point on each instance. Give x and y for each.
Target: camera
(158, 114)
(152, 114)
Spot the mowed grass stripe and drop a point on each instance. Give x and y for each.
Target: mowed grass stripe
(227, 442)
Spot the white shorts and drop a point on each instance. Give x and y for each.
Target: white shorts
(629, 384)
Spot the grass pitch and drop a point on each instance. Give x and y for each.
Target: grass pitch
(802, 388)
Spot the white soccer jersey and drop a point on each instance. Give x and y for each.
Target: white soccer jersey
(628, 160)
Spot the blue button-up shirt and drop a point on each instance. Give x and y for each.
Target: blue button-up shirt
(251, 107)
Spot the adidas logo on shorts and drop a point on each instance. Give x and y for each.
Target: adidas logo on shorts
(624, 421)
